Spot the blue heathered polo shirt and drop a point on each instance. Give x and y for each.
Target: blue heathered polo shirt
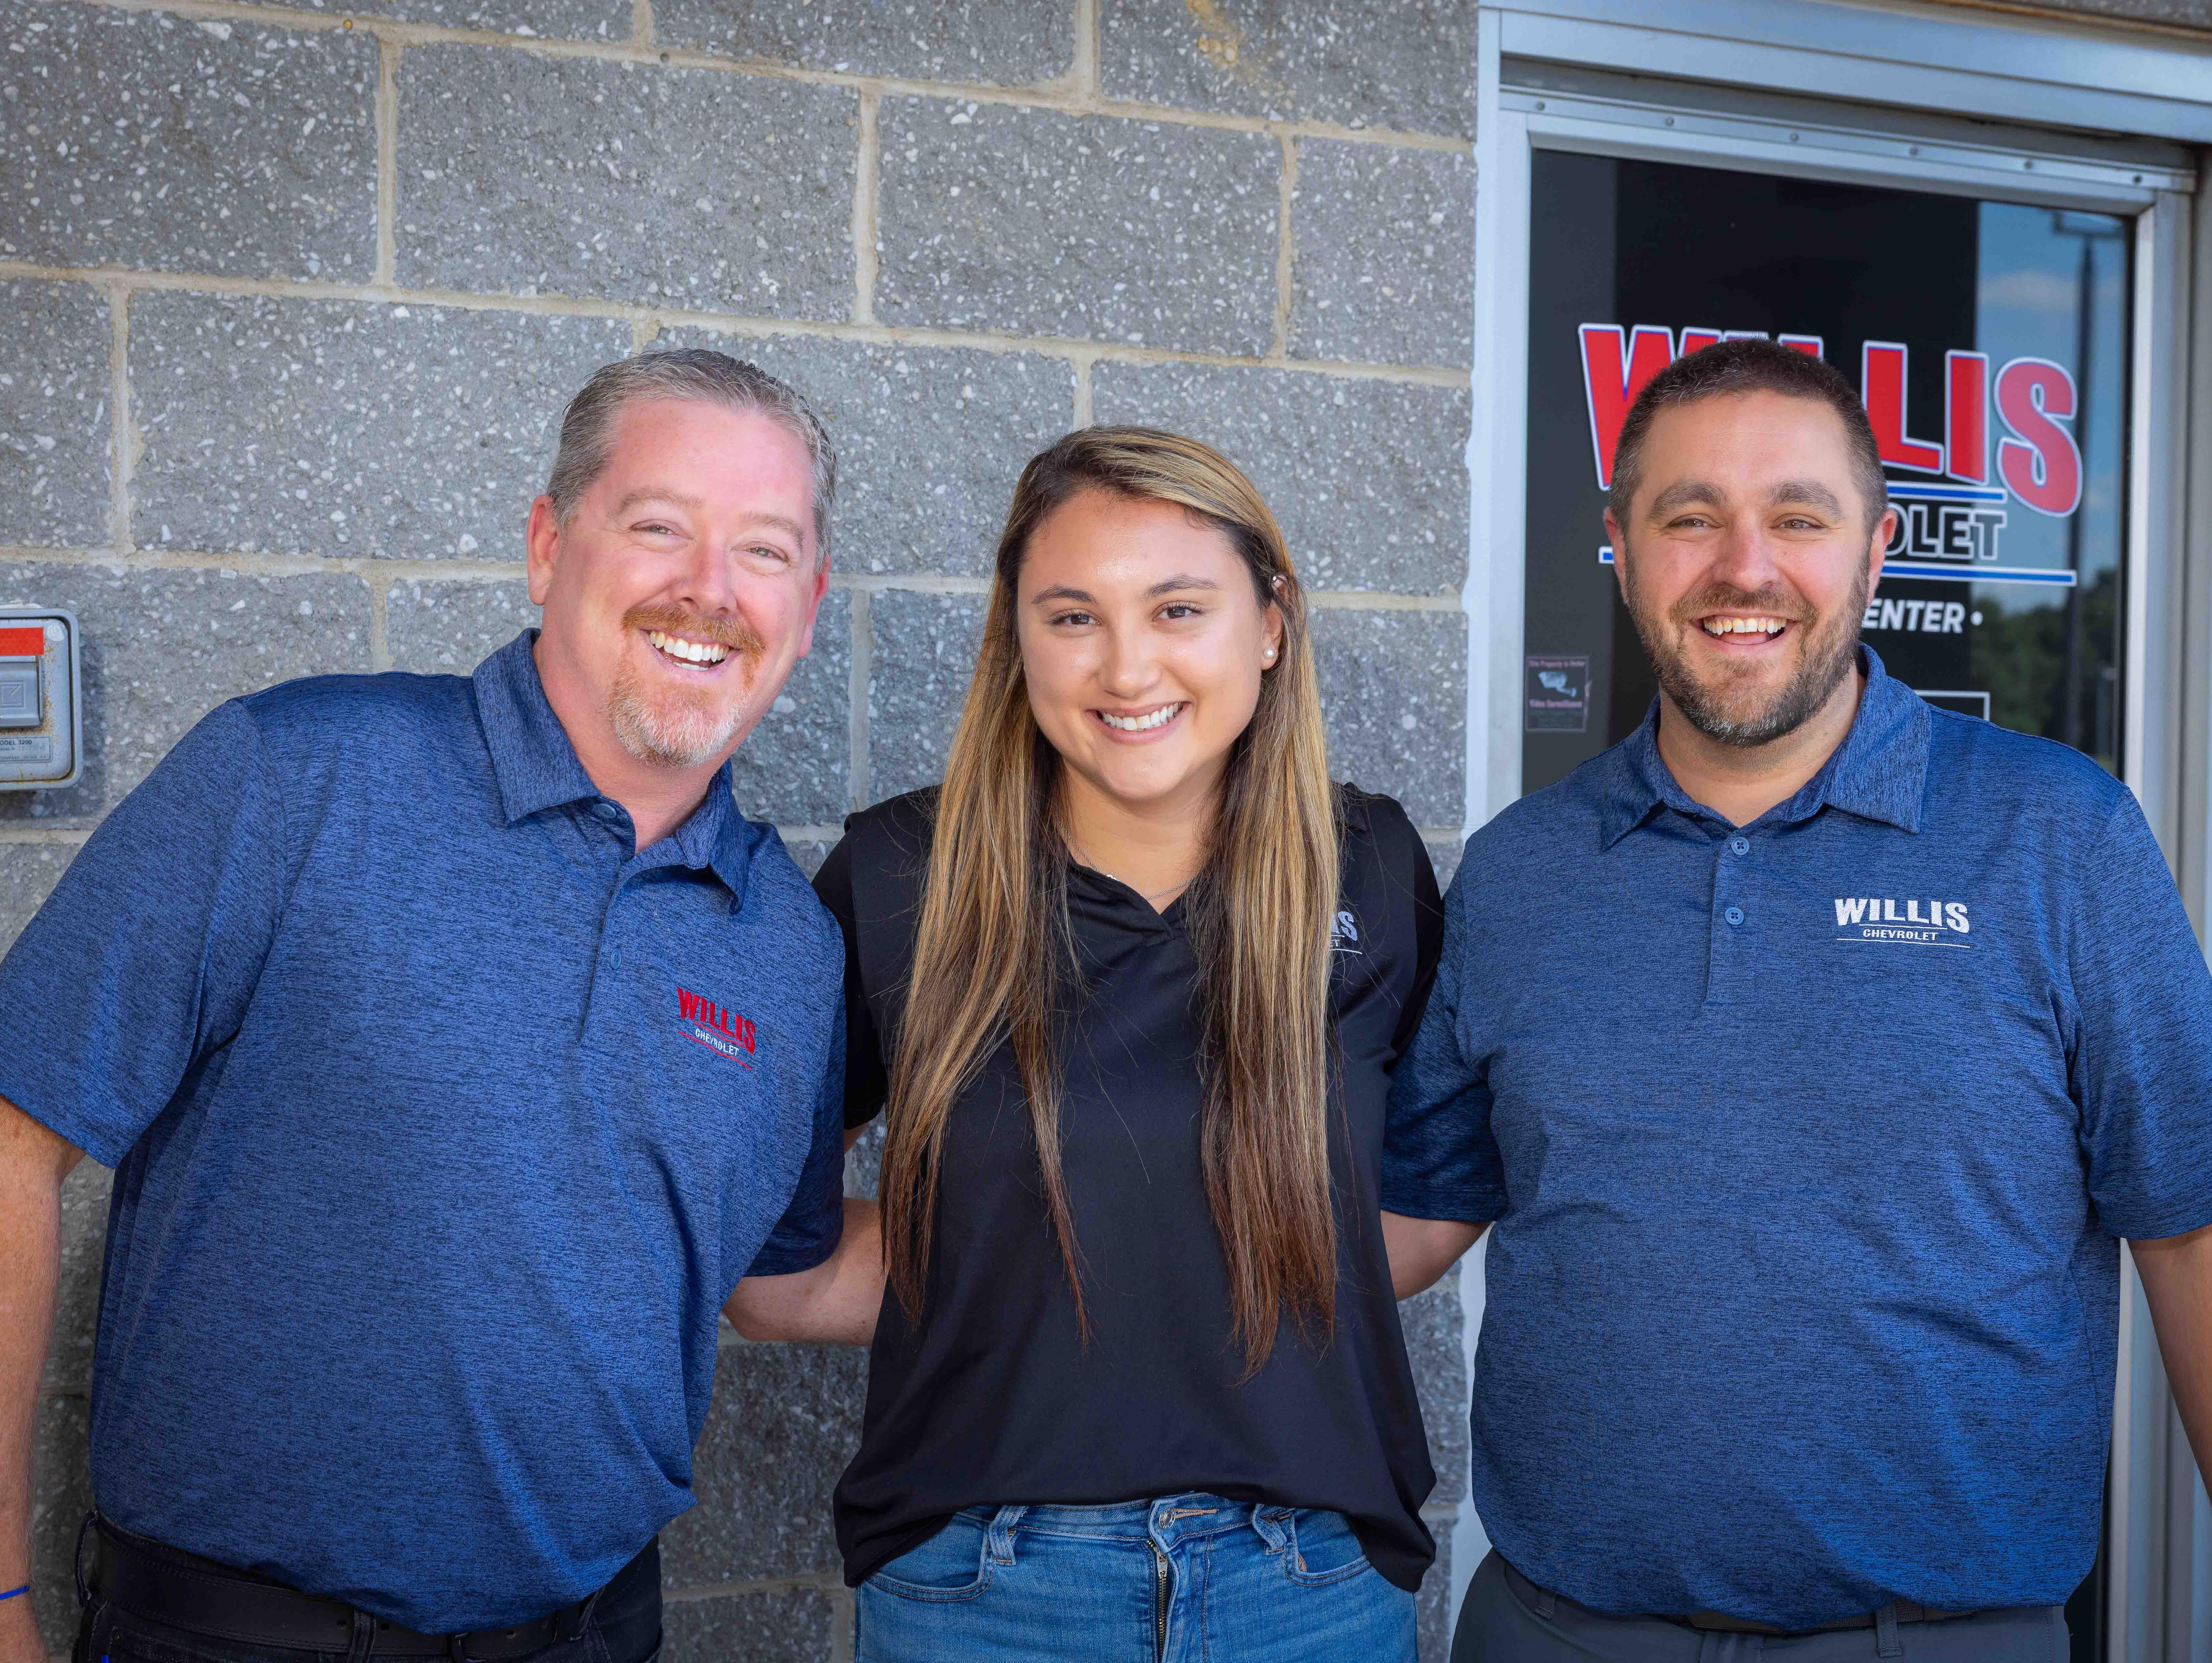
(444, 1125)
(1809, 1146)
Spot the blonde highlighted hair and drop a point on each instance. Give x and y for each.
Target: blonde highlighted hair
(995, 959)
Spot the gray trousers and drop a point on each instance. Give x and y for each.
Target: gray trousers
(1509, 1619)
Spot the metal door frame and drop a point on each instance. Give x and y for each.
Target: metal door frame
(1720, 84)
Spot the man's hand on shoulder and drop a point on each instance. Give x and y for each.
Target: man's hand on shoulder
(836, 1301)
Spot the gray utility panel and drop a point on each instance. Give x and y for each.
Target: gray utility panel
(40, 699)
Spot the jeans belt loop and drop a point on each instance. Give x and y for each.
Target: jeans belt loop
(1268, 1524)
(76, 1560)
(1886, 1641)
(572, 1622)
(1543, 1600)
(999, 1538)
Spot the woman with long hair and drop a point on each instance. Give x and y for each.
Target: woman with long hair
(1131, 984)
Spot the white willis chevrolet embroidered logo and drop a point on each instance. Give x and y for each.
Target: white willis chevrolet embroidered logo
(1914, 921)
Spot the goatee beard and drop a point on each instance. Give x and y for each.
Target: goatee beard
(1829, 656)
(676, 731)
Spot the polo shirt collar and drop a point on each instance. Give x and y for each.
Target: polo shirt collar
(1879, 772)
(537, 767)
(718, 838)
(532, 755)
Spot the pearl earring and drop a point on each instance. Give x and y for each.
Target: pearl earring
(1269, 655)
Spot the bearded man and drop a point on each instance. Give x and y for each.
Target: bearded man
(1808, 1055)
(462, 1050)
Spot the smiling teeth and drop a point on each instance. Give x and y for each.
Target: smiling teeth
(1141, 724)
(1744, 626)
(689, 652)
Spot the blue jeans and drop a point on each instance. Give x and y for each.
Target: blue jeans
(1185, 1579)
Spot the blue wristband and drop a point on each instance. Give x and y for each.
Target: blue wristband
(12, 1593)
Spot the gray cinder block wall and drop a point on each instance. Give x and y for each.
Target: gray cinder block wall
(293, 293)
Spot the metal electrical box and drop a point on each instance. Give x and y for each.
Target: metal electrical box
(41, 701)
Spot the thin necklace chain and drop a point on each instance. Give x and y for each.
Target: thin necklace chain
(1149, 894)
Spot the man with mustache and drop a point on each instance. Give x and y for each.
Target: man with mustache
(1807, 1055)
(463, 1050)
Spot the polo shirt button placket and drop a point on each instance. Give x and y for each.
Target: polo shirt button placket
(1720, 974)
(599, 1000)
(608, 963)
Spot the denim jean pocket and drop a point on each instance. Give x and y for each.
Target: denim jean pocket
(953, 1564)
(1323, 1549)
(600, 1647)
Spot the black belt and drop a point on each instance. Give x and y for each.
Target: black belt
(1898, 1611)
(1713, 1621)
(180, 1590)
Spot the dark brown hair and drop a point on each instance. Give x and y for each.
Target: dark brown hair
(1729, 368)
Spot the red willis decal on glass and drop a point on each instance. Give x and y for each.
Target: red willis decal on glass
(2037, 459)
(723, 1032)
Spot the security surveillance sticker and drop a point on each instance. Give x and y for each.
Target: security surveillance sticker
(1558, 694)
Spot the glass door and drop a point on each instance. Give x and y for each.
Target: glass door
(1989, 339)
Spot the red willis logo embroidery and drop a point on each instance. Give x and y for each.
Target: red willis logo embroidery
(723, 1032)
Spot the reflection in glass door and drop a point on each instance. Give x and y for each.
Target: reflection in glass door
(1989, 339)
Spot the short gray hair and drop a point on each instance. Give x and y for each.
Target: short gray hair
(588, 427)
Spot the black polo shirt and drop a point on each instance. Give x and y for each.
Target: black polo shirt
(993, 1397)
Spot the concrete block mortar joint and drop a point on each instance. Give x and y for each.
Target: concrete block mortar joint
(126, 444)
(1071, 348)
(865, 192)
(1285, 250)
